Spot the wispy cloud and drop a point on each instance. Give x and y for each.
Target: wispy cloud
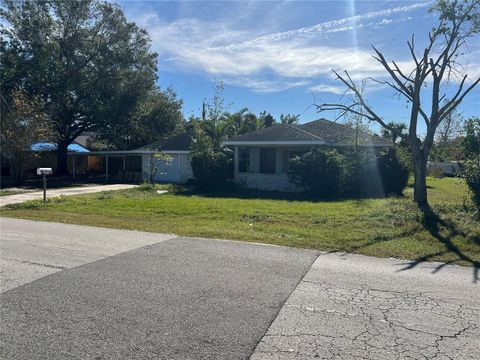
(323, 88)
(271, 62)
(334, 25)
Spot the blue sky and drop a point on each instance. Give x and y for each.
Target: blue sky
(278, 56)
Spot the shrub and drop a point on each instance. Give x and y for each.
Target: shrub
(327, 173)
(472, 178)
(147, 186)
(373, 174)
(212, 169)
(321, 172)
(393, 172)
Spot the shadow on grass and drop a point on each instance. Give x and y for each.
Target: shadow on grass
(433, 223)
(252, 194)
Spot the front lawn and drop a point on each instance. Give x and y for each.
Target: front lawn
(391, 227)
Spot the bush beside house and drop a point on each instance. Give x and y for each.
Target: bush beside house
(211, 168)
(393, 172)
(323, 173)
(328, 173)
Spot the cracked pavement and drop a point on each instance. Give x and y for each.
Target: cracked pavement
(357, 307)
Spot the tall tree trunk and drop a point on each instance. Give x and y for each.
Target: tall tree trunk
(62, 148)
(420, 173)
(17, 172)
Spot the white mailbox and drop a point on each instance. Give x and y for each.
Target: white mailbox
(44, 171)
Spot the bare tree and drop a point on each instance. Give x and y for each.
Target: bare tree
(433, 73)
(450, 128)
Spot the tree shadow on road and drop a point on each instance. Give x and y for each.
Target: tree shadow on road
(444, 231)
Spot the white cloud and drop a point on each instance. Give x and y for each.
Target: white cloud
(266, 85)
(323, 88)
(272, 62)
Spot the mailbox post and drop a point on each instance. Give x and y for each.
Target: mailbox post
(44, 172)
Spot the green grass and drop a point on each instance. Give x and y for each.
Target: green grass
(391, 227)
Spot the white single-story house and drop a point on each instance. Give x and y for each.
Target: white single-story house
(262, 157)
(142, 163)
(450, 168)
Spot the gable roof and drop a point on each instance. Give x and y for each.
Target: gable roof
(180, 142)
(321, 132)
(277, 133)
(339, 134)
(84, 139)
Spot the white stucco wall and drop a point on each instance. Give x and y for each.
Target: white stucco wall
(268, 182)
(186, 172)
(253, 179)
(178, 170)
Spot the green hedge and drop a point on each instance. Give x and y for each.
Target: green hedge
(362, 172)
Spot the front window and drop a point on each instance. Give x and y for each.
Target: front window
(243, 160)
(267, 161)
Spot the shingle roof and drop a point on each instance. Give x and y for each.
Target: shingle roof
(84, 139)
(322, 131)
(180, 142)
(335, 133)
(277, 132)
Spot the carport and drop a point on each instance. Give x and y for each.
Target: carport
(130, 167)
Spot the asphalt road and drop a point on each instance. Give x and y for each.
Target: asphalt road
(175, 299)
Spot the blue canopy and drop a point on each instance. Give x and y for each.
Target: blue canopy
(52, 147)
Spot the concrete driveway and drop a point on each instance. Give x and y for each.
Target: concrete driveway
(38, 195)
(112, 294)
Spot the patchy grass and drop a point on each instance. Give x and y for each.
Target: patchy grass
(15, 191)
(392, 227)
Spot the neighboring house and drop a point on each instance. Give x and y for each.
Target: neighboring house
(178, 168)
(141, 164)
(262, 157)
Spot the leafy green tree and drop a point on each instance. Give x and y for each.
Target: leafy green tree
(88, 63)
(289, 119)
(157, 115)
(266, 119)
(22, 123)
(471, 141)
(395, 132)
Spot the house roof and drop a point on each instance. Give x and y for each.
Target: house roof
(277, 133)
(320, 132)
(84, 138)
(180, 142)
(335, 133)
